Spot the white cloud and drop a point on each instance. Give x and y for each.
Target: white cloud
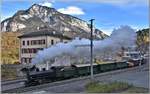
(47, 4)
(72, 10)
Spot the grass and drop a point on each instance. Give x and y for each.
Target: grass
(137, 90)
(113, 87)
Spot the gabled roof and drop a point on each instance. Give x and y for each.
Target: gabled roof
(44, 32)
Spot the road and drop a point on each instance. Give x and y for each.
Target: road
(138, 77)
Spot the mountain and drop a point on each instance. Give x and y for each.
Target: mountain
(38, 16)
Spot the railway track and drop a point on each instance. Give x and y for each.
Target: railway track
(12, 84)
(22, 88)
(12, 81)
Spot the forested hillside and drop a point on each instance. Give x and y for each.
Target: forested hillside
(143, 40)
(9, 47)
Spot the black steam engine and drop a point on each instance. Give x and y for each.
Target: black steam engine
(36, 77)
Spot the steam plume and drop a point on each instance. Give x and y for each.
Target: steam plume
(124, 36)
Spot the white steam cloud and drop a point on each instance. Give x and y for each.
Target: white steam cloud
(124, 36)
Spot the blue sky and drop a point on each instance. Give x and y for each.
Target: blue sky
(108, 14)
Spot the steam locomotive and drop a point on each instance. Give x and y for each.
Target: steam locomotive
(35, 76)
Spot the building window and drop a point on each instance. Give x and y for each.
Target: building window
(65, 42)
(30, 59)
(43, 41)
(31, 50)
(22, 51)
(25, 51)
(61, 40)
(22, 60)
(25, 60)
(28, 42)
(31, 42)
(23, 42)
(40, 49)
(36, 42)
(39, 42)
(34, 51)
(52, 42)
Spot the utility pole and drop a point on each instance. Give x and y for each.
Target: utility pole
(91, 46)
(91, 49)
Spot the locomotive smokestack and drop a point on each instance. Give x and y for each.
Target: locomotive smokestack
(47, 65)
